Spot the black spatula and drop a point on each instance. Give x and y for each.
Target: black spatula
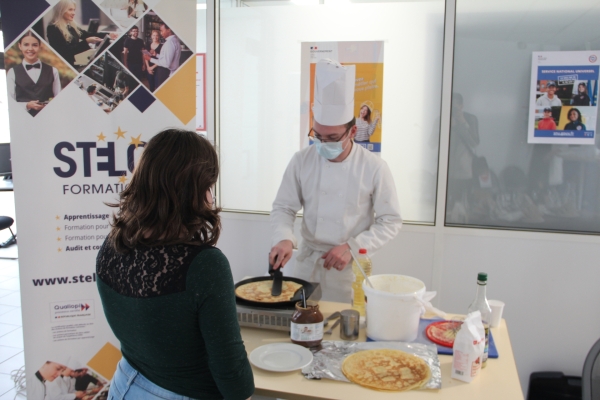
(277, 280)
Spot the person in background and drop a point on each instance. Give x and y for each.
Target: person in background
(32, 83)
(464, 138)
(136, 8)
(154, 49)
(167, 61)
(575, 121)
(549, 99)
(36, 384)
(65, 36)
(83, 380)
(364, 126)
(581, 98)
(91, 91)
(122, 85)
(547, 122)
(132, 53)
(347, 193)
(65, 386)
(177, 326)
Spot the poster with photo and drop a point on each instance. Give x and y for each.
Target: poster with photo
(139, 50)
(563, 105)
(80, 114)
(367, 56)
(78, 32)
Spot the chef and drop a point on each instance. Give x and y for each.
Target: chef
(36, 384)
(64, 387)
(348, 193)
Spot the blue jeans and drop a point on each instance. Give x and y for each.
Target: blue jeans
(129, 384)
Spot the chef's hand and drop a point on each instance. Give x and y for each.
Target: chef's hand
(338, 257)
(281, 253)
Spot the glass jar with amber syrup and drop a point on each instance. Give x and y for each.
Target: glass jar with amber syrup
(307, 325)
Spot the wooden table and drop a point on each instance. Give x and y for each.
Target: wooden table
(499, 380)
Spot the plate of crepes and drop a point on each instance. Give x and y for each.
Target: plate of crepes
(386, 370)
(383, 366)
(443, 332)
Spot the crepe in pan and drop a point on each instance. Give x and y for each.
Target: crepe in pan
(386, 370)
(260, 291)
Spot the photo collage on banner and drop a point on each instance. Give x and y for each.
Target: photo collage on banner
(564, 97)
(89, 82)
(368, 93)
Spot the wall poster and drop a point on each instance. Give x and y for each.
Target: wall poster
(81, 108)
(563, 104)
(368, 93)
(201, 92)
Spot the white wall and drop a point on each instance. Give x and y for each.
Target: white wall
(549, 282)
(201, 31)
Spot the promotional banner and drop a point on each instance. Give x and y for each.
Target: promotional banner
(201, 92)
(89, 82)
(564, 97)
(368, 92)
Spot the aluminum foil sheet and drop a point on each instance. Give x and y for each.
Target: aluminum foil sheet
(327, 362)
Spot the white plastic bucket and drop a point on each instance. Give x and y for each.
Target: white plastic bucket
(392, 312)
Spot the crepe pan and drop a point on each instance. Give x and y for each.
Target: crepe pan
(308, 289)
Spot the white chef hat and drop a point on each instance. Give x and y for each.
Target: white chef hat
(73, 364)
(62, 359)
(334, 92)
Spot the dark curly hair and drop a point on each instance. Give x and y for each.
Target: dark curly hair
(166, 201)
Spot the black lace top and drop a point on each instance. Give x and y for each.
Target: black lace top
(146, 271)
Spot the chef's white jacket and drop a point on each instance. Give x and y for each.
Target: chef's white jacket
(353, 201)
(62, 388)
(36, 389)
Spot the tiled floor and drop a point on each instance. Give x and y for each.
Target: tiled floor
(11, 332)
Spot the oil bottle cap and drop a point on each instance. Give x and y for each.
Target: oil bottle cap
(362, 251)
(482, 276)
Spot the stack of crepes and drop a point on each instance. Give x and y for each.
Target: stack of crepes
(386, 370)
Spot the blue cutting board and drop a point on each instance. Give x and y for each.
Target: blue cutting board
(422, 338)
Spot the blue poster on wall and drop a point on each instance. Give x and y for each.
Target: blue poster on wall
(564, 97)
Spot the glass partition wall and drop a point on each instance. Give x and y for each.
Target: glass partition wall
(264, 116)
(496, 178)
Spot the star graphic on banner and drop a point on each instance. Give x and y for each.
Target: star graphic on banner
(57, 228)
(59, 249)
(58, 239)
(120, 133)
(101, 137)
(122, 179)
(57, 217)
(136, 141)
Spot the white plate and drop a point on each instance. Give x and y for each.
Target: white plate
(281, 357)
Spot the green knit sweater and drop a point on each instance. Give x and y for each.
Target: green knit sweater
(173, 310)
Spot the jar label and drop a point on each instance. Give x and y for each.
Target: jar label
(306, 332)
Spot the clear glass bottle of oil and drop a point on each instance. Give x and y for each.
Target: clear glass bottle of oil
(480, 303)
(358, 295)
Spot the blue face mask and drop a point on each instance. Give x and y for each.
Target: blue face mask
(330, 151)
